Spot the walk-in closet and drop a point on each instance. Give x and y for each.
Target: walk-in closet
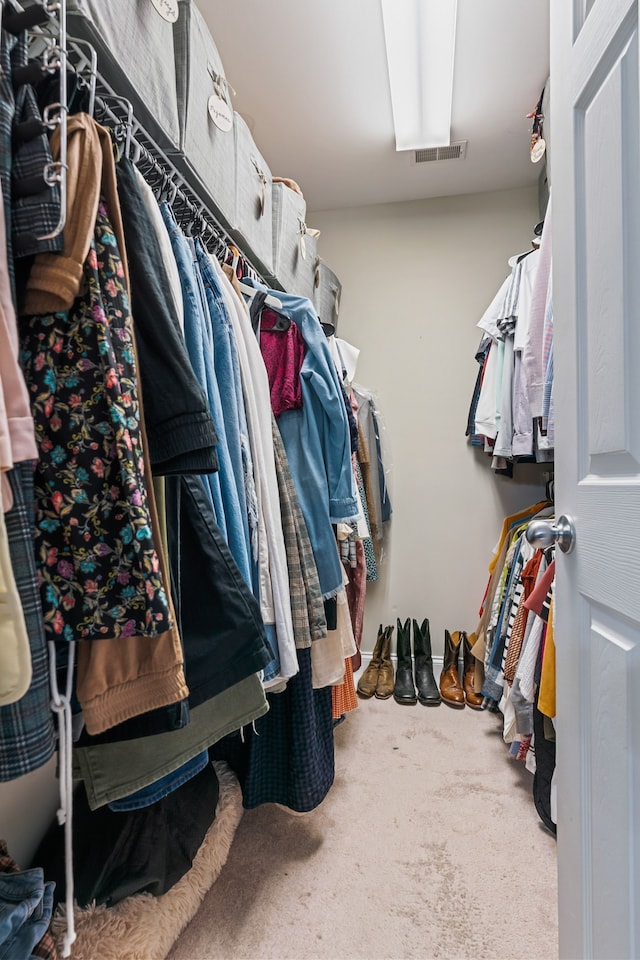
(319, 470)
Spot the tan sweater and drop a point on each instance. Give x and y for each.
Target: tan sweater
(56, 279)
(117, 678)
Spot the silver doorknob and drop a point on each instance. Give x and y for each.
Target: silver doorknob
(544, 533)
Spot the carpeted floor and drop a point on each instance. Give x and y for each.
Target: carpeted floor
(428, 846)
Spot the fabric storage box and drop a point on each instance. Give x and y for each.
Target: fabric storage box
(294, 248)
(135, 48)
(253, 226)
(207, 142)
(326, 295)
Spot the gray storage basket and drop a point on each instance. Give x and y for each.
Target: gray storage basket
(253, 227)
(135, 56)
(207, 157)
(294, 250)
(326, 296)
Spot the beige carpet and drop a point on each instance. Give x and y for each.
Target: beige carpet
(427, 846)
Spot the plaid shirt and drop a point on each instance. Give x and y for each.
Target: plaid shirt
(33, 214)
(27, 740)
(307, 608)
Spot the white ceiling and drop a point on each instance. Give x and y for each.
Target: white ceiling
(311, 81)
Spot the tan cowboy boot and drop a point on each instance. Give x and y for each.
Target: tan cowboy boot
(386, 678)
(450, 687)
(473, 699)
(369, 680)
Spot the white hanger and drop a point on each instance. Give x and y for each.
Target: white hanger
(270, 301)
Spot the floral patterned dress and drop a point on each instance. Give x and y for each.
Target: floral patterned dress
(97, 565)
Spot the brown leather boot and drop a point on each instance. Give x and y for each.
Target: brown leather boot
(369, 680)
(473, 699)
(450, 687)
(386, 678)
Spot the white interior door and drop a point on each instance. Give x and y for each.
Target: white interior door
(596, 242)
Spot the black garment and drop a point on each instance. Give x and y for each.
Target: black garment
(116, 855)
(219, 618)
(180, 429)
(221, 628)
(331, 613)
(545, 765)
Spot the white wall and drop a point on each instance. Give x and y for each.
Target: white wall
(416, 279)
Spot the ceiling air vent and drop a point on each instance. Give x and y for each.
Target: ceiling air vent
(455, 151)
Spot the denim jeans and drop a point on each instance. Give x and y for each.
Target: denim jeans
(231, 465)
(26, 904)
(198, 345)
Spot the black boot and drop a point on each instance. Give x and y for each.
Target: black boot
(428, 693)
(404, 691)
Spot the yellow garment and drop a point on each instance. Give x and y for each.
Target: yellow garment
(547, 694)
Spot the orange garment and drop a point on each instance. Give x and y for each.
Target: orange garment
(344, 697)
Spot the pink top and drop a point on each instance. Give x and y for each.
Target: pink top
(17, 437)
(283, 354)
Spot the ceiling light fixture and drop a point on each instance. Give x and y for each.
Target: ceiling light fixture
(420, 37)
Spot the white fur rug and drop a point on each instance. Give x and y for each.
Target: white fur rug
(145, 927)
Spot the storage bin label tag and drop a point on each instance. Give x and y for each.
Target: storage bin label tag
(168, 9)
(220, 112)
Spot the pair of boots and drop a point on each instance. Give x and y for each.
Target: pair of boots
(427, 689)
(454, 692)
(378, 677)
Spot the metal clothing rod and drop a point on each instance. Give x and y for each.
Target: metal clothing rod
(140, 146)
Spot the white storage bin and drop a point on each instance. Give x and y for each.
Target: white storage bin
(135, 51)
(294, 249)
(326, 296)
(207, 142)
(252, 227)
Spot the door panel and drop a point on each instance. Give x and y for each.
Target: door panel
(596, 275)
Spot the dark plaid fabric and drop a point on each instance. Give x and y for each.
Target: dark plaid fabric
(307, 608)
(27, 740)
(292, 756)
(7, 106)
(28, 217)
(37, 213)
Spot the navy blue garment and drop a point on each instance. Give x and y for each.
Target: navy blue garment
(291, 759)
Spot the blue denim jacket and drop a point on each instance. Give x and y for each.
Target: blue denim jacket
(318, 445)
(26, 905)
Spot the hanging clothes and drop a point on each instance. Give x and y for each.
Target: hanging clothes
(273, 574)
(98, 566)
(317, 441)
(182, 436)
